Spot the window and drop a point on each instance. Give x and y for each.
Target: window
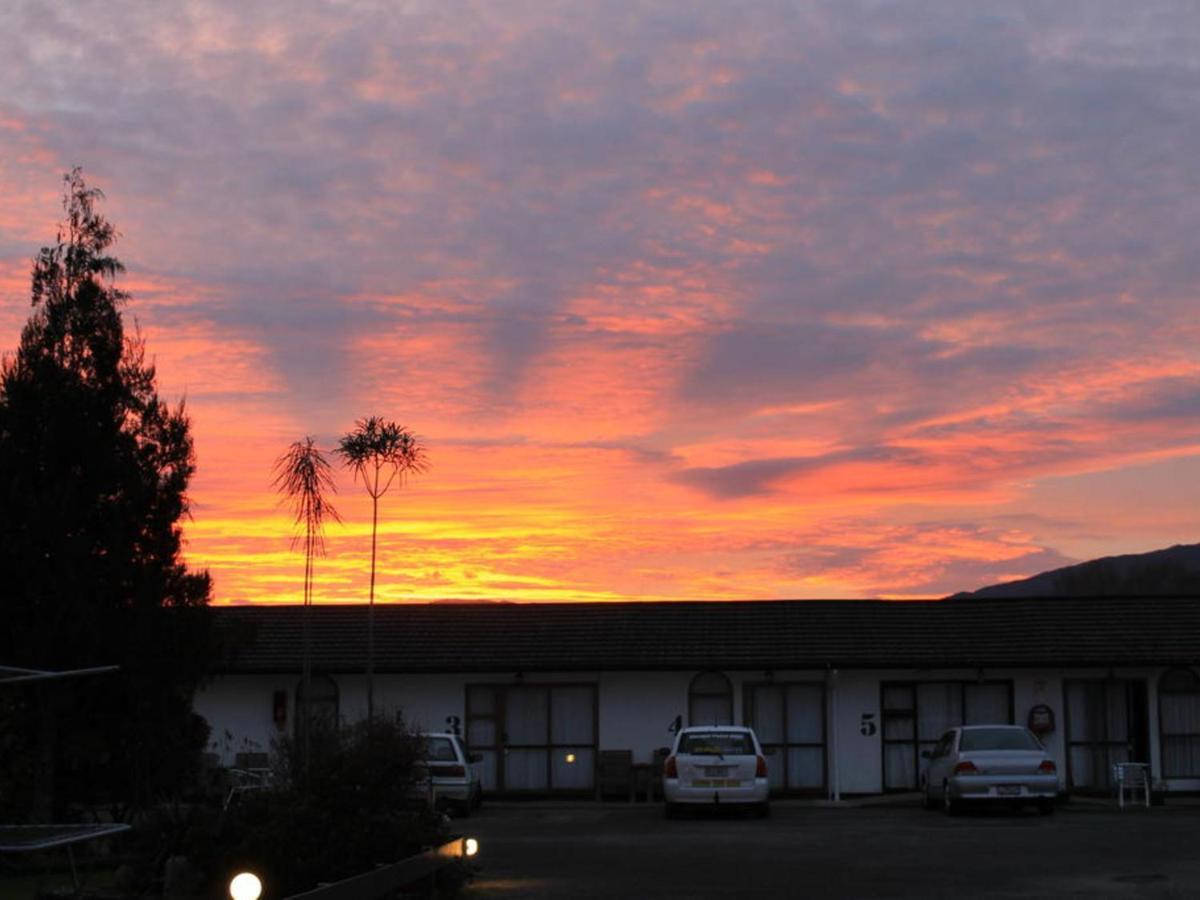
(439, 749)
(944, 746)
(533, 738)
(917, 714)
(710, 700)
(789, 719)
(1179, 723)
(998, 739)
(323, 703)
(1107, 723)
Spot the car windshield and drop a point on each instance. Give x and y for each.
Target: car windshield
(717, 743)
(998, 739)
(440, 750)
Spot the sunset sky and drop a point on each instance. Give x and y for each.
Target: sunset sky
(687, 300)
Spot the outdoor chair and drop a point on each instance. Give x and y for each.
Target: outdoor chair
(1134, 777)
(252, 762)
(656, 772)
(614, 774)
(250, 772)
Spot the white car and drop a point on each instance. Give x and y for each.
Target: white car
(989, 763)
(453, 778)
(716, 765)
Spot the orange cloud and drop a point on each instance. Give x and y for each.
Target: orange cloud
(703, 303)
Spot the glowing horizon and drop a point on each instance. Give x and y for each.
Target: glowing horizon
(726, 302)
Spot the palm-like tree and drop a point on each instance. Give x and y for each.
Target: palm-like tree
(381, 454)
(303, 477)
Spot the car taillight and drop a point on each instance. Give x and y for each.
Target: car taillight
(760, 770)
(966, 767)
(454, 771)
(1048, 767)
(669, 770)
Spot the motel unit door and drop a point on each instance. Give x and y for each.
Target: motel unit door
(917, 713)
(533, 738)
(789, 719)
(1107, 723)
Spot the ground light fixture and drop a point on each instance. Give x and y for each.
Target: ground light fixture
(245, 886)
(470, 846)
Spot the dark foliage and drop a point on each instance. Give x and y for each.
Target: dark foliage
(94, 469)
(381, 453)
(354, 806)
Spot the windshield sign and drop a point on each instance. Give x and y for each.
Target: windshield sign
(717, 743)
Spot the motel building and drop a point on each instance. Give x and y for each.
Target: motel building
(844, 695)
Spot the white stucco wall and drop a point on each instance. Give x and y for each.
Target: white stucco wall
(637, 708)
(238, 708)
(858, 768)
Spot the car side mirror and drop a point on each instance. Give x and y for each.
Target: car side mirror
(926, 754)
(474, 757)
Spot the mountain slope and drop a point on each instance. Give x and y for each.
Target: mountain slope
(1175, 570)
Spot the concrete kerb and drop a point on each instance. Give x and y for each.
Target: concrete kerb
(909, 800)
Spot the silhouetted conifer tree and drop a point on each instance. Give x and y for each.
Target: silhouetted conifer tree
(94, 469)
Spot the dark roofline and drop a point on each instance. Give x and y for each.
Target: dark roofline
(733, 635)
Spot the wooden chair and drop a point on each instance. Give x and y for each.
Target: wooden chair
(614, 774)
(656, 773)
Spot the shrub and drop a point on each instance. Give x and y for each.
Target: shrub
(351, 806)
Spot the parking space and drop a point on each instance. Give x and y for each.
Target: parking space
(559, 850)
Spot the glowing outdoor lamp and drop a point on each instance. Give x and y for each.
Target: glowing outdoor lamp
(470, 847)
(245, 886)
(570, 757)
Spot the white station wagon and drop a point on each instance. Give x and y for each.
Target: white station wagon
(451, 778)
(713, 765)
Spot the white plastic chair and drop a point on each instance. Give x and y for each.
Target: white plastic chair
(1132, 775)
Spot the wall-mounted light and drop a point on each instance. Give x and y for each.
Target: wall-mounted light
(570, 758)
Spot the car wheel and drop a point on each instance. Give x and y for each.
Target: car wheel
(477, 799)
(1046, 806)
(463, 810)
(763, 810)
(950, 806)
(927, 799)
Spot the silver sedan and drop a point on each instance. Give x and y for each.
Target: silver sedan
(995, 763)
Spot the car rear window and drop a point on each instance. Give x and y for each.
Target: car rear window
(440, 750)
(717, 743)
(998, 739)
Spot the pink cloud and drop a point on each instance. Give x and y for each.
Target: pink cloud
(688, 302)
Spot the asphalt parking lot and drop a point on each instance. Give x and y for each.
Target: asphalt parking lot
(583, 850)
